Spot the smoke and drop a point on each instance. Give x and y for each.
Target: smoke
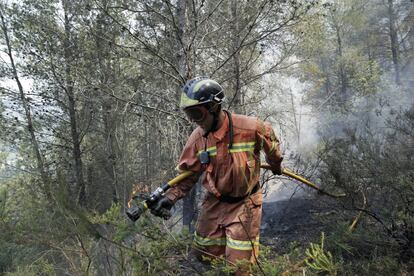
(369, 113)
(302, 128)
(295, 125)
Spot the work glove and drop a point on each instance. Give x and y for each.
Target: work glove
(162, 208)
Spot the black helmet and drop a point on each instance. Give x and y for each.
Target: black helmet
(201, 90)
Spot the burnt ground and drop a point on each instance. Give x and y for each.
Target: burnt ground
(295, 220)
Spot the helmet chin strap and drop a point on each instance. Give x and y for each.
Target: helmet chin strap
(214, 124)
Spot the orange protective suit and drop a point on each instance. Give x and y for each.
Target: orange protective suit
(229, 222)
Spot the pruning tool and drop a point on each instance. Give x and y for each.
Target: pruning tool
(137, 206)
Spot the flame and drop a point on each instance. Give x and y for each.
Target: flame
(137, 188)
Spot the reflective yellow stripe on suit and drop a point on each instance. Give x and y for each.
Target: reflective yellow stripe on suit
(236, 147)
(242, 147)
(225, 241)
(212, 151)
(242, 245)
(201, 241)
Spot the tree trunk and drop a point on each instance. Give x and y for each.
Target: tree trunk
(69, 89)
(184, 65)
(106, 78)
(394, 41)
(111, 147)
(296, 120)
(28, 115)
(342, 74)
(343, 82)
(237, 100)
(183, 54)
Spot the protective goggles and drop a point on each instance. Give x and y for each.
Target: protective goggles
(196, 113)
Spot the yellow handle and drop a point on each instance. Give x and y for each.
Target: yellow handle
(285, 171)
(179, 178)
(289, 173)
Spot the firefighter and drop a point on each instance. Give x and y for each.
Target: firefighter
(225, 150)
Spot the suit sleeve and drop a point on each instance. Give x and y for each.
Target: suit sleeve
(270, 144)
(188, 162)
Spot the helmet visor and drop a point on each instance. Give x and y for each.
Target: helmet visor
(196, 113)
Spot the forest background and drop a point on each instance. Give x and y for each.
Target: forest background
(89, 110)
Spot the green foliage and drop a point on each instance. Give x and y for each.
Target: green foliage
(110, 74)
(363, 74)
(339, 239)
(319, 259)
(269, 264)
(157, 248)
(276, 265)
(40, 267)
(219, 267)
(22, 217)
(373, 166)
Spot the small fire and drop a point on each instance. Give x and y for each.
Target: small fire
(138, 188)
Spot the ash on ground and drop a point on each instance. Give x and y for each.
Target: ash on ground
(293, 221)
